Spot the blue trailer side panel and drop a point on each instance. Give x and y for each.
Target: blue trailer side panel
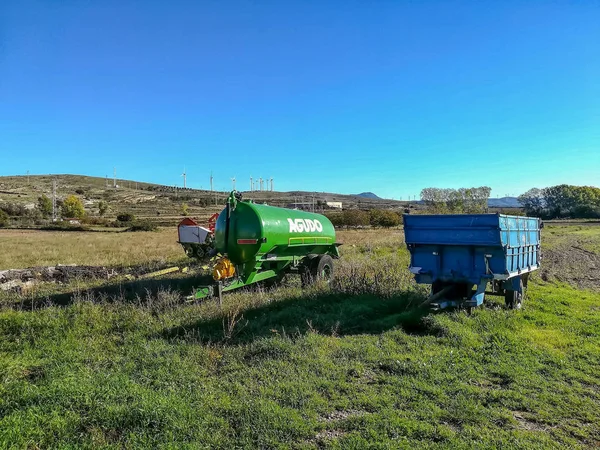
(470, 247)
(520, 237)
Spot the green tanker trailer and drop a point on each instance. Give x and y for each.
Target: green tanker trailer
(261, 242)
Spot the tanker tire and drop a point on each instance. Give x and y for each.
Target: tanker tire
(323, 268)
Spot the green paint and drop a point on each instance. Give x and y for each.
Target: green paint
(264, 241)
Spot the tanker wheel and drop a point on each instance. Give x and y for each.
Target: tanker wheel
(514, 299)
(323, 268)
(318, 268)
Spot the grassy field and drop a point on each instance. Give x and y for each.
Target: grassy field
(352, 365)
(29, 248)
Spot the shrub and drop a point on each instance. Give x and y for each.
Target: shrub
(349, 218)
(13, 210)
(102, 208)
(144, 225)
(384, 218)
(63, 226)
(355, 218)
(89, 220)
(44, 205)
(125, 217)
(3, 219)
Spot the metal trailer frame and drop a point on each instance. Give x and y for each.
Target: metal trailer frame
(453, 253)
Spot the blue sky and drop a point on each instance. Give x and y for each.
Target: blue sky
(338, 96)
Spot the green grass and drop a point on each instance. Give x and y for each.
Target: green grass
(303, 372)
(351, 366)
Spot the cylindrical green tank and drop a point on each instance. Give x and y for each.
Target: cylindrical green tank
(255, 229)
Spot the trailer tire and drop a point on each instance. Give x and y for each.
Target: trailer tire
(317, 268)
(324, 268)
(514, 299)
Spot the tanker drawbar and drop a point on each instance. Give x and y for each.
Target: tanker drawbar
(264, 243)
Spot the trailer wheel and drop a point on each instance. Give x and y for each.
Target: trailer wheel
(514, 299)
(317, 268)
(324, 268)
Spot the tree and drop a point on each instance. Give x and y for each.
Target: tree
(533, 202)
(45, 205)
(102, 208)
(72, 207)
(562, 200)
(463, 200)
(185, 209)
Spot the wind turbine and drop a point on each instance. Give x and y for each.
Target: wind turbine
(233, 183)
(184, 175)
(251, 185)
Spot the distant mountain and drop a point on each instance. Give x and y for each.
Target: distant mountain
(504, 202)
(368, 195)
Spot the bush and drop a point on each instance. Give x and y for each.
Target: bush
(145, 225)
(45, 205)
(13, 210)
(125, 217)
(355, 218)
(384, 218)
(63, 226)
(349, 218)
(3, 219)
(89, 220)
(102, 208)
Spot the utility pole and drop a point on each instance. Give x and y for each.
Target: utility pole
(54, 200)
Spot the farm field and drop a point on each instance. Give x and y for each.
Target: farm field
(29, 248)
(350, 365)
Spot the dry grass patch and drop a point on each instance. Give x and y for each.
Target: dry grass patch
(28, 248)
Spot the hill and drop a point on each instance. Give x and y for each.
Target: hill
(504, 202)
(368, 195)
(155, 201)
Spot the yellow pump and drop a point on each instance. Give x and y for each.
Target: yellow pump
(223, 269)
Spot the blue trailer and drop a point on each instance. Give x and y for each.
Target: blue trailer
(460, 255)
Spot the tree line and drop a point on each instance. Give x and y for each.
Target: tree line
(457, 201)
(70, 208)
(358, 218)
(562, 201)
